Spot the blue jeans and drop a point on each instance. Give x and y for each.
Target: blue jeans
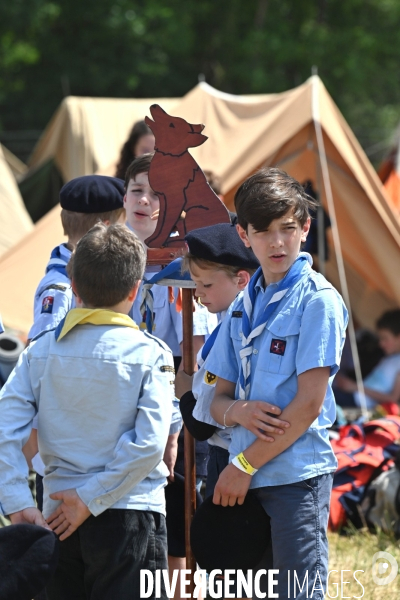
(299, 546)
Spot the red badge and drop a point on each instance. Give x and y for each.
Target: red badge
(47, 304)
(278, 347)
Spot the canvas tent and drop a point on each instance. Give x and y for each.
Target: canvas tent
(389, 172)
(246, 132)
(15, 222)
(84, 136)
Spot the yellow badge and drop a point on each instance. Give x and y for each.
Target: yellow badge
(210, 378)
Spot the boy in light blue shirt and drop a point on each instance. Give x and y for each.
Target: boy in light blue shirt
(275, 357)
(103, 391)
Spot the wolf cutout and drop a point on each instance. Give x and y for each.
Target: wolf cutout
(186, 200)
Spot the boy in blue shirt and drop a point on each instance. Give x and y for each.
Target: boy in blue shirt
(103, 392)
(275, 357)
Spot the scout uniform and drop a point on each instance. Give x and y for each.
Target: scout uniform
(306, 330)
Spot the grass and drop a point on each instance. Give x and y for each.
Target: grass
(354, 551)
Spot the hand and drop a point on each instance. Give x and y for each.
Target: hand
(31, 516)
(345, 383)
(183, 383)
(170, 454)
(71, 513)
(232, 486)
(254, 417)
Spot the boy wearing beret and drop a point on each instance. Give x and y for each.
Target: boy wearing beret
(103, 392)
(84, 201)
(276, 354)
(221, 267)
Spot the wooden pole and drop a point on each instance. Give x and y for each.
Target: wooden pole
(189, 446)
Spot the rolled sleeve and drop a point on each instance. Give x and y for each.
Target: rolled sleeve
(139, 450)
(322, 332)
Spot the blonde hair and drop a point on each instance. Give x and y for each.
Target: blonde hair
(76, 224)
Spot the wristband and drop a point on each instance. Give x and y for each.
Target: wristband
(243, 464)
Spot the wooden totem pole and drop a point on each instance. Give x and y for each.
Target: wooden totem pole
(186, 202)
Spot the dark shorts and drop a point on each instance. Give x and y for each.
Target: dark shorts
(102, 559)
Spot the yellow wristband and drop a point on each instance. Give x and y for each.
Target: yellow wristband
(243, 464)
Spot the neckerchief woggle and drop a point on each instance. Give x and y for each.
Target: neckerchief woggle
(171, 275)
(59, 258)
(252, 327)
(95, 316)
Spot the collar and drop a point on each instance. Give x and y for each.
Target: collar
(95, 316)
(259, 286)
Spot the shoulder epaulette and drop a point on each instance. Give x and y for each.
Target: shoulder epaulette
(55, 286)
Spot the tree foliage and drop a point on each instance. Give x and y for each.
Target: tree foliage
(147, 48)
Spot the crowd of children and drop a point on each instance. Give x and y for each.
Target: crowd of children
(97, 387)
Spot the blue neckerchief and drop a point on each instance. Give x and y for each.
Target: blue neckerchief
(253, 327)
(205, 351)
(59, 258)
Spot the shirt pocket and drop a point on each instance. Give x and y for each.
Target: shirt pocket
(236, 333)
(283, 343)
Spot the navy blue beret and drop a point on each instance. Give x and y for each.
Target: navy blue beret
(221, 244)
(230, 537)
(28, 559)
(92, 194)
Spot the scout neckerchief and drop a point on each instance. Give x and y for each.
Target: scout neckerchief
(253, 327)
(205, 351)
(95, 316)
(59, 258)
(171, 275)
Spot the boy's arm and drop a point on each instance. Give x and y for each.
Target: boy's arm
(233, 484)
(17, 409)
(348, 385)
(140, 450)
(253, 415)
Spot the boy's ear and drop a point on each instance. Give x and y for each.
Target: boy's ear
(243, 235)
(243, 279)
(305, 229)
(124, 200)
(78, 299)
(133, 293)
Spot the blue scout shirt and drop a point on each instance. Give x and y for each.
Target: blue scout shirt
(306, 331)
(167, 320)
(53, 297)
(104, 397)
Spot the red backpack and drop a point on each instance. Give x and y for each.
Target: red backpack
(363, 451)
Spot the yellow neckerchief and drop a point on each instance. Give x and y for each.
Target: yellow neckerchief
(95, 316)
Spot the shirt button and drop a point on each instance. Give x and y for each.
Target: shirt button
(255, 351)
(98, 501)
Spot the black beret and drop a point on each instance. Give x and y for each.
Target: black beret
(175, 509)
(28, 559)
(92, 194)
(221, 244)
(230, 537)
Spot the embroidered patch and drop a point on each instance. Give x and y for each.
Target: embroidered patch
(278, 347)
(210, 378)
(237, 314)
(167, 369)
(47, 304)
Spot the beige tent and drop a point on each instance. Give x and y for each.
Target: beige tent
(85, 135)
(246, 132)
(15, 222)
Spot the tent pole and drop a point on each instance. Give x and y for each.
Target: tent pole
(189, 446)
(336, 240)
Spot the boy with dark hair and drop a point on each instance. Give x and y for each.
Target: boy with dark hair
(275, 357)
(382, 385)
(103, 391)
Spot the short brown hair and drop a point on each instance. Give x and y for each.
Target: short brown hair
(139, 165)
(269, 194)
(76, 224)
(189, 260)
(107, 263)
